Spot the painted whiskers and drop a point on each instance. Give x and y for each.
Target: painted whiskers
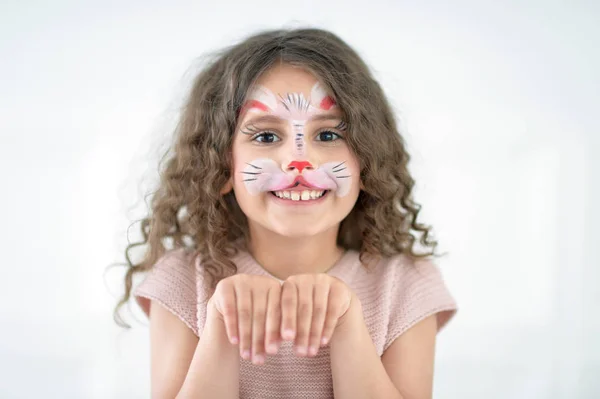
(264, 175)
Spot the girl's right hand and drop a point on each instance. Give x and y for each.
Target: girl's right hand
(249, 306)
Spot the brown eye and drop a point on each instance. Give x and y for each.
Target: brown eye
(328, 135)
(266, 137)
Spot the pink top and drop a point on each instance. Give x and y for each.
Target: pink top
(395, 294)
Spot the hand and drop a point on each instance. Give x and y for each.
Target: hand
(312, 306)
(249, 306)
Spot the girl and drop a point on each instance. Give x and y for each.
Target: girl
(292, 270)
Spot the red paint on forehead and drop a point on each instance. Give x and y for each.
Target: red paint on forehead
(327, 103)
(253, 104)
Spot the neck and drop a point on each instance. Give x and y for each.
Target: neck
(286, 256)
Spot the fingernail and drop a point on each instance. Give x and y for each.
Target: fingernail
(246, 354)
(301, 350)
(313, 351)
(324, 341)
(272, 349)
(258, 359)
(288, 334)
(235, 340)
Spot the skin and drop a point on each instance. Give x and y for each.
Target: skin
(249, 316)
(322, 147)
(289, 119)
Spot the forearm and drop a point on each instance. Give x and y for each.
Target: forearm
(355, 365)
(214, 370)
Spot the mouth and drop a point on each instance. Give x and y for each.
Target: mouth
(303, 195)
(300, 181)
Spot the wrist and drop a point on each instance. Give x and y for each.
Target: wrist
(214, 320)
(351, 319)
(215, 330)
(212, 313)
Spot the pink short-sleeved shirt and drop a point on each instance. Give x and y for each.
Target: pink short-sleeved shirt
(395, 294)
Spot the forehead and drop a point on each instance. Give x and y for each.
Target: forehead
(286, 78)
(289, 92)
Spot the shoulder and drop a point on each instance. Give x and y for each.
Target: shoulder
(410, 275)
(175, 267)
(400, 291)
(173, 282)
(394, 274)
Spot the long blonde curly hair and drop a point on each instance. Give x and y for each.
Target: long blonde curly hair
(187, 208)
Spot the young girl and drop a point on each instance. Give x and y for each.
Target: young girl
(292, 270)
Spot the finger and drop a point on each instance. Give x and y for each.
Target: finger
(227, 305)
(244, 307)
(337, 300)
(273, 322)
(289, 302)
(320, 301)
(305, 310)
(259, 309)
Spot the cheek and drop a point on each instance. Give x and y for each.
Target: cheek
(354, 166)
(239, 185)
(239, 160)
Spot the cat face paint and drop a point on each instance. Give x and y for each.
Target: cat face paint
(294, 108)
(264, 175)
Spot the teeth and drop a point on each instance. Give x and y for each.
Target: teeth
(299, 195)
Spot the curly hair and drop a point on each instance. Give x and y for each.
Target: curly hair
(188, 208)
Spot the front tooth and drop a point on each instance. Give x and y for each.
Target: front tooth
(305, 195)
(295, 196)
(313, 194)
(286, 194)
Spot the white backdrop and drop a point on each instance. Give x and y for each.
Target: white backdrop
(499, 103)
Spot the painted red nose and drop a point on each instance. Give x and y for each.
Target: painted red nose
(299, 165)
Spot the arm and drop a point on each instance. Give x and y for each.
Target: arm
(184, 366)
(405, 371)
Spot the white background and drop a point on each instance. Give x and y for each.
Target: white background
(499, 104)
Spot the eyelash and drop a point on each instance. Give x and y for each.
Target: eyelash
(263, 133)
(255, 133)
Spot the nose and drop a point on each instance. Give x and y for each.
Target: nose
(299, 165)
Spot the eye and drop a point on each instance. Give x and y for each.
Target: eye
(266, 137)
(328, 135)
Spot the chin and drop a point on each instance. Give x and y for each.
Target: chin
(297, 230)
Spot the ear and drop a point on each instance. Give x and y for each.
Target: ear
(227, 187)
(361, 185)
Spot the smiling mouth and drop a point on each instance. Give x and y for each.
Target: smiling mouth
(300, 181)
(303, 195)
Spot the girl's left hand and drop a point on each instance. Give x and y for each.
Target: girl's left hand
(312, 306)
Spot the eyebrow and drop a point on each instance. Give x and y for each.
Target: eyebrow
(276, 119)
(265, 119)
(326, 117)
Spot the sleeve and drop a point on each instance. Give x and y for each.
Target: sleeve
(418, 291)
(172, 283)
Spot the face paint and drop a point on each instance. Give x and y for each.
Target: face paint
(263, 175)
(299, 165)
(299, 138)
(294, 107)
